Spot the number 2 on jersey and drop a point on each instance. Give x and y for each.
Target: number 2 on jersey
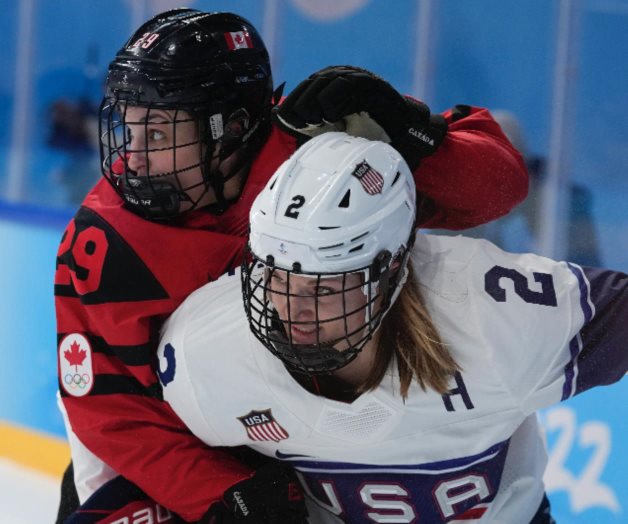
(545, 297)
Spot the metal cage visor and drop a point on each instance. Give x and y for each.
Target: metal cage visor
(154, 193)
(262, 290)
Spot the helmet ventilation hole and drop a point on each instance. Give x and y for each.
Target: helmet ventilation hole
(330, 247)
(359, 236)
(345, 199)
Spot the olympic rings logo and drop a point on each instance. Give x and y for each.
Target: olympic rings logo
(77, 380)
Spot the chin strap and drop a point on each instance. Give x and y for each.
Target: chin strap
(217, 182)
(246, 148)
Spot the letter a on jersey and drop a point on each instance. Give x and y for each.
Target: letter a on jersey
(262, 426)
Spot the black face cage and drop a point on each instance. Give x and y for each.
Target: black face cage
(153, 195)
(158, 195)
(321, 357)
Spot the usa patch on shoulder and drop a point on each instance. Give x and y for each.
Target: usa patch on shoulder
(262, 426)
(75, 365)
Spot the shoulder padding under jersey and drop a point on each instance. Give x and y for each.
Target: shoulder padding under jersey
(519, 314)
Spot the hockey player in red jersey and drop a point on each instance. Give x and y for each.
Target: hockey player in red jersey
(187, 142)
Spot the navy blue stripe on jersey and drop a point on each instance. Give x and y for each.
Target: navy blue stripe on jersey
(427, 467)
(435, 492)
(585, 292)
(575, 345)
(604, 355)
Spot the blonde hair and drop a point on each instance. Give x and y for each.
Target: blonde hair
(408, 333)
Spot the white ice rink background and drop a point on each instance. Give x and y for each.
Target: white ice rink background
(27, 496)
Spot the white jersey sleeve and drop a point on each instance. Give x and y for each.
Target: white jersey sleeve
(207, 324)
(551, 329)
(90, 473)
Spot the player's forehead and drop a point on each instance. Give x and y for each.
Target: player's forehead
(336, 280)
(142, 114)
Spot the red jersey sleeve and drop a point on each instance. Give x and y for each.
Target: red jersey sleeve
(112, 293)
(118, 277)
(475, 176)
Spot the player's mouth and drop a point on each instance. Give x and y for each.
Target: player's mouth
(303, 334)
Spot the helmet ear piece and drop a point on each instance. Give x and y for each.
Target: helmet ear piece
(380, 264)
(237, 125)
(387, 271)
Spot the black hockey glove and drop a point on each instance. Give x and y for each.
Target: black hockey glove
(271, 496)
(346, 98)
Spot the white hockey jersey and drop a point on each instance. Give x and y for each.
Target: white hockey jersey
(527, 332)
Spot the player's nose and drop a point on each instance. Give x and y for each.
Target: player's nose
(137, 162)
(302, 307)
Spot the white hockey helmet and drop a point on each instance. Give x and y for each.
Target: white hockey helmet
(339, 205)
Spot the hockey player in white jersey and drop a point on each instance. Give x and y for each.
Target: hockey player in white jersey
(399, 376)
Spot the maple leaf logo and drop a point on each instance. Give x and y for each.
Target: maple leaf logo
(75, 355)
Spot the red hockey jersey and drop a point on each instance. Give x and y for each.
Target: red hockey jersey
(118, 277)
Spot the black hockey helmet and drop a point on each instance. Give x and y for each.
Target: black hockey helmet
(212, 68)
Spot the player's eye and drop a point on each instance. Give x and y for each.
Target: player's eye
(155, 135)
(277, 283)
(322, 291)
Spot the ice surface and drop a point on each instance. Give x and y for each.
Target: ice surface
(27, 496)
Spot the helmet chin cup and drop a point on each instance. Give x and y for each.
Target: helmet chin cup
(154, 199)
(310, 359)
